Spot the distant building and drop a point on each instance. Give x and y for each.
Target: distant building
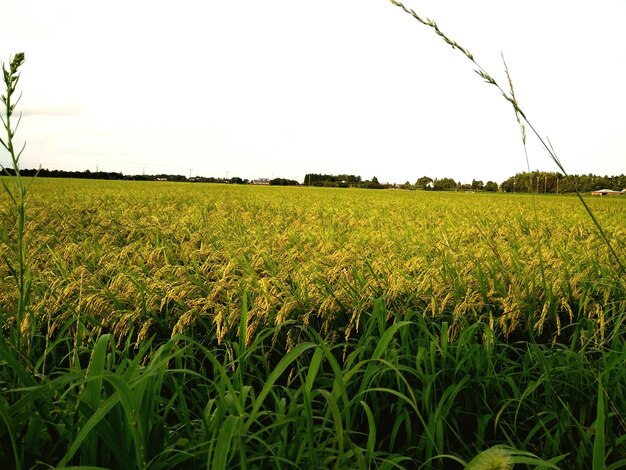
(608, 192)
(261, 181)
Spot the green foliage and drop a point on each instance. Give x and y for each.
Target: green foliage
(339, 181)
(283, 182)
(477, 185)
(423, 182)
(491, 186)
(556, 183)
(186, 403)
(444, 184)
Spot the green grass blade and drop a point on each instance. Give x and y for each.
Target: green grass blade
(95, 372)
(371, 424)
(280, 368)
(130, 404)
(24, 376)
(599, 457)
(338, 424)
(104, 408)
(8, 422)
(386, 338)
(223, 447)
(81, 467)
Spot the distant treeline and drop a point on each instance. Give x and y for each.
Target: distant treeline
(544, 182)
(339, 181)
(343, 181)
(45, 173)
(535, 181)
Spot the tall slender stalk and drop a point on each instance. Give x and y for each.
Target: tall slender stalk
(521, 119)
(17, 195)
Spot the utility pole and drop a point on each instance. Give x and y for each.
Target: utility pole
(545, 184)
(537, 184)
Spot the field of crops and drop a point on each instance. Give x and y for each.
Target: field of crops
(141, 258)
(217, 326)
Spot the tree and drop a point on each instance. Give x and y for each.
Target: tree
(445, 184)
(477, 185)
(342, 181)
(373, 184)
(422, 183)
(491, 186)
(283, 182)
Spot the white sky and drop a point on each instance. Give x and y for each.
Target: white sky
(280, 88)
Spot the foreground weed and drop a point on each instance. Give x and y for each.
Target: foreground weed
(521, 119)
(17, 263)
(504, 458)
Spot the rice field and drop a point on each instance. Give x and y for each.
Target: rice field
(222, 326)
(142, 259)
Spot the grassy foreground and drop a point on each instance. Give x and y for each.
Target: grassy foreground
(178, 325)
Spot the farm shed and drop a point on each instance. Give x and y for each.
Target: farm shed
(608, 192)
